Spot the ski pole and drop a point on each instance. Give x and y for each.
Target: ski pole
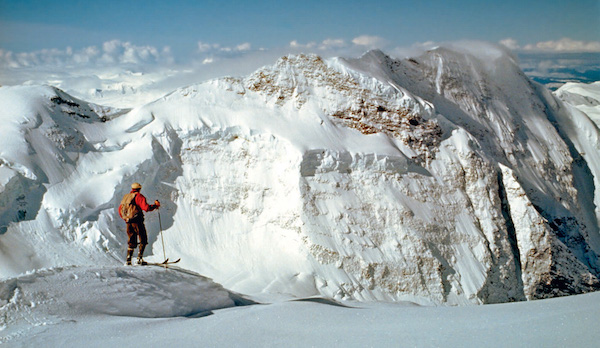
(161, 235)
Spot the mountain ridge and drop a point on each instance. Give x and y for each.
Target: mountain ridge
(435, 179)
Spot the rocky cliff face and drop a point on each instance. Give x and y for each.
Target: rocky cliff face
(517, 124)
(444, 178)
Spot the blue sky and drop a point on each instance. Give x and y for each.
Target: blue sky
(31, 25)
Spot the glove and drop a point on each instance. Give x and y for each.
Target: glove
(157, 204)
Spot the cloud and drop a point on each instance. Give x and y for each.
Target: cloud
(327, 44)
(214, 48)
(358, 44)
(370, 41)
(510, 43)
(340, 47)
(296, 45)
(116, 51)
(206, 47)
(27, 59)
(209, 53)
(243, 47)
(112, 52)
(415, 49)
(332, 44)
(564, 45)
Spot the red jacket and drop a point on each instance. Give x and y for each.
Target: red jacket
(140, 201)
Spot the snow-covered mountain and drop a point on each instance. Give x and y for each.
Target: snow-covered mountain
(585, 97)
(444, 178)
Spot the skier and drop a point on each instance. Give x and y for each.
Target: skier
(131, 210)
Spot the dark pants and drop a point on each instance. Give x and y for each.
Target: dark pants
(135, 230)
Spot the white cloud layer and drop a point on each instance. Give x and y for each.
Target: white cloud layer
(327, 44)
(370, 41)
(210, 53)
(213, 48)
(564, 45)
(112, 52)
(243, 47)
(510, 43)
(332, 46)
(122, 74)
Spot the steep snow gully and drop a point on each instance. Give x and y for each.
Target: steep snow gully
(445, 178)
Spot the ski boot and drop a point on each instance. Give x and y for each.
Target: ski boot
(140, 259)
(129, 256)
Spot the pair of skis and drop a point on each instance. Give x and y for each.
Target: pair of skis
(165, 263)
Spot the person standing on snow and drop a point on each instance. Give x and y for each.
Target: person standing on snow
(131, 210)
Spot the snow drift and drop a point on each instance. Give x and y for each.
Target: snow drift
(53, 296)
(88, 306)
(444, 178)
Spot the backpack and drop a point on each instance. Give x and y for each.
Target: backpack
(129, 209)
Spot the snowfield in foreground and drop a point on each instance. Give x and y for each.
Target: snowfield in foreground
(49, 297)
(154, 307)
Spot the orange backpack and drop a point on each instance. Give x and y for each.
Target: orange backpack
(129, 209)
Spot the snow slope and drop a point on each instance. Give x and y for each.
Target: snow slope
(579, 120)
(52, 297)
(585, 97)
(153, 307)
(445, 178)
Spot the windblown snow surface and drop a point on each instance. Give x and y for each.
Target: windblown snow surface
(444, 179)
